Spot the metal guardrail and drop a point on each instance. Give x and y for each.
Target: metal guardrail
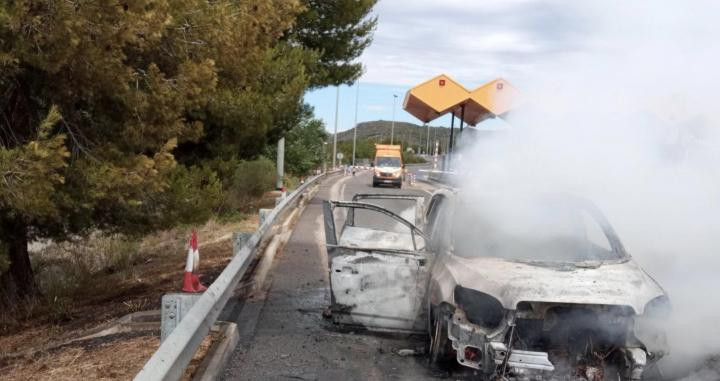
(172, 358)
(440, 177)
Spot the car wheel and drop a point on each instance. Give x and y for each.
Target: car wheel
(441, 352)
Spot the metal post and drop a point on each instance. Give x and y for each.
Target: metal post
(450, 142)
(434, 134)
(337, 107)
(392, 125)
(419, 142)
(427, 140)
(462, 121)
(280, 163)
(357, 100)
(324, 157)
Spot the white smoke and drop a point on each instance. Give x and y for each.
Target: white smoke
(631, 122)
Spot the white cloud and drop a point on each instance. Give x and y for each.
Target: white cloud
(471, 41)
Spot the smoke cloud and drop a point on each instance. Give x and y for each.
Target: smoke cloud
(631, 122)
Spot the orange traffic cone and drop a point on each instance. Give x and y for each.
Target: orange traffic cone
(191, 282)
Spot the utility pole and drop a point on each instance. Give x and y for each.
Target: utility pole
(337, 107)
(280, 164)
(392, 126)
(357, 101)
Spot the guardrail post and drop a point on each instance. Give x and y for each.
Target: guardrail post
(264, 213)
(278, 200)
(239, 240)
(174, 307)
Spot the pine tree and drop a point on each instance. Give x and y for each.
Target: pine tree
(95, 97)
(338, 31)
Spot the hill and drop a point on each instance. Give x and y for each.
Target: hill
(407, 134)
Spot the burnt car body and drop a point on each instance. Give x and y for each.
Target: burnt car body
(511, 308)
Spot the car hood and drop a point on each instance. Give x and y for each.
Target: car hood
(512, 282)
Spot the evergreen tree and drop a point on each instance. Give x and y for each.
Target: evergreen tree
(339, 31)
(95, 97)
(303, 144)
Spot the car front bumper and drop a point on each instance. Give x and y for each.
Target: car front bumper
(479, 349)
(387, 180)
(485, 350)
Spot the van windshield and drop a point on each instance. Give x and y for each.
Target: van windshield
(389, 162)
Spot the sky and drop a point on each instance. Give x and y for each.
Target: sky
(471, 41)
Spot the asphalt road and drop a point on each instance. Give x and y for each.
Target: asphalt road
(284, 336)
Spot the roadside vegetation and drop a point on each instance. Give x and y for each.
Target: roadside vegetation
(124, 125)
(365, 150)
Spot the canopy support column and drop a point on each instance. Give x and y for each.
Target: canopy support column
(450, 142)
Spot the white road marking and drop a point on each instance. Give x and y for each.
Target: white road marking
(338, 189)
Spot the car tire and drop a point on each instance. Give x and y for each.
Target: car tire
(441, 354)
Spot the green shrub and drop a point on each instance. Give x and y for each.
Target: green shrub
(411, 158)
(194, 195)
(254, 178)
(291, 182)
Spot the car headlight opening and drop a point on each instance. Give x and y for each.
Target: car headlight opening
(480, 308)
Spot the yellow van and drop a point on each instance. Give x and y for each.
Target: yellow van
(388, 165)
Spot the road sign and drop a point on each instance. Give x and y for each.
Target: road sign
(340, 156)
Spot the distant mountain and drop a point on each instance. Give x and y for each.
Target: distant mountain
(405, 133)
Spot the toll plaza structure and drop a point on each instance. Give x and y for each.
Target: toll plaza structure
(443, 95)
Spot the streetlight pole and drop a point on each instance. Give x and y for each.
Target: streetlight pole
(280, 164)
(337, 107)
(357, 101)
(392, 125)
(324, 157)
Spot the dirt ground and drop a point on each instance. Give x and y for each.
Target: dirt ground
(119, 358)
(115, 357)
(33, 348)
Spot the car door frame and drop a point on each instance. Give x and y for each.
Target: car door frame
(419, 203)
(412, 320)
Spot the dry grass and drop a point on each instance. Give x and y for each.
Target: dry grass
(118, 359)
(200, 355)
(89, 294)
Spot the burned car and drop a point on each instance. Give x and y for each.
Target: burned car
(538, 289)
